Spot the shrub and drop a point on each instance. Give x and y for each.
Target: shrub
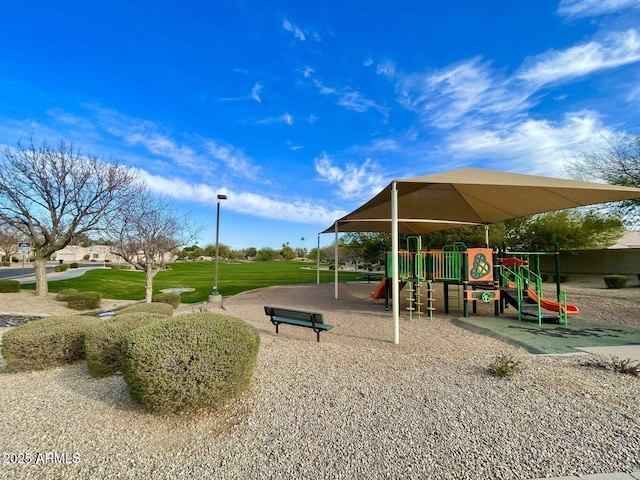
(6, 263)
(628, 366)
(563, 278)
(157, 308)
(120, 266)
(84, 300)
(61, 268)
(9, 286)
(86, 257)
(615, 281)
(172, 299)
(46, 343)
(73, 265)
(195, 361)
(62, 294)
(103, 341)
(503, 366)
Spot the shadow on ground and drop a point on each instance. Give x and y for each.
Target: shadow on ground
(553, 338)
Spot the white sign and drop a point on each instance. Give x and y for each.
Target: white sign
(24, 248)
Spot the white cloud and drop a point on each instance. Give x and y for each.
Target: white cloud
(573, 9)
(388, 69)
(293, 147)
(297, 32)
(616, 49)
(285, 118)
(255, 92)
(352, 181)
(350, 99)
(467, 92)
(536, 146)
(243, 202)
(368, 62)
(233, 158)
(307, 71)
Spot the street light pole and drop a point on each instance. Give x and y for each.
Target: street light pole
(215, 295)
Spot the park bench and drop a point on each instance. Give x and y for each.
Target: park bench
(300, 318)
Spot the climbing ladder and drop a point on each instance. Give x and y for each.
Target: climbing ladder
(420, 299)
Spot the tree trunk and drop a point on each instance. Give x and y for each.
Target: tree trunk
(42, 287)
(148, 282)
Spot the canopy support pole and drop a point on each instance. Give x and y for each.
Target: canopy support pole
(486, 235)
(318, 262)
(395, 273)
(336, 264)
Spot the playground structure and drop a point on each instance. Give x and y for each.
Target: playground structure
(485, 274)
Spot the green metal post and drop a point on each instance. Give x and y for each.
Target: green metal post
(465, 283)
(557, 254)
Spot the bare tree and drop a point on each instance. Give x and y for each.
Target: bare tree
(51, 194)
(615, 161)
(9, 238)
(147, 232)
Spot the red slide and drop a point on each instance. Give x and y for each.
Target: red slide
(379, 293)
(551, 305)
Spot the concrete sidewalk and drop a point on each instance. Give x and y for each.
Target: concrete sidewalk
(623, 352)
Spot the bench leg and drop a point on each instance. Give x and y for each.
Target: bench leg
(277, 324)
(318, 335)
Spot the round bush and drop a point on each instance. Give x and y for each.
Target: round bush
(103, 341)
(615, 281)
(6, 263)
(190, 362)
(46, 343)
(158, 308)
(9, 286)
(62, 294)
(73, 265)
(84, 300)
(172, 299)
(61, 268)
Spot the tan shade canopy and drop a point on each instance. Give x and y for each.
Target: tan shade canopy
(475, 196)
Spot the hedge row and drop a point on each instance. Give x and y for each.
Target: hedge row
(154, 308)
(46, 343)
(103, 340)
(615, 281)
(172, 299)
(9, 286)
(191, 362)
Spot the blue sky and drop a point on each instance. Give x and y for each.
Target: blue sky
(301, 111)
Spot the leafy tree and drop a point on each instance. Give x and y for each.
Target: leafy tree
(287, 252)
(470, 236)
(369, 247)
(615, 161)
(146, 233)
(83, 240)
(266, 254)
(570, 229)
(251, 252)
(52, 194)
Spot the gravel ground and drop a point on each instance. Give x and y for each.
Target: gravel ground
(352, 406)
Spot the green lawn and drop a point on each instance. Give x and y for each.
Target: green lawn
(232, 279)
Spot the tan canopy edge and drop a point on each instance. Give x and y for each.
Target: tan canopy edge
(476, 196)
(466, 196)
